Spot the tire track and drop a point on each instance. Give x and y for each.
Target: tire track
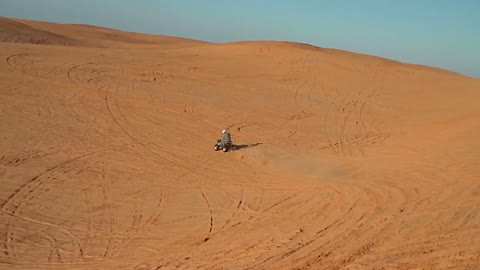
(211, 215)
(240, 206)
(24, 155)
(34, 187)
(73, 75)
(349, 107)
(12, 61)
(140, 139)
(54, 249)
(107, 198)
(89, 232)
(138, 226)
(291, 247)
(260, 204)
(363, 225)
(327, 117)
(45, 132)
(21, 158)
(152, 220)
(352, 114)
(133, 230)
(37, 182)
(298, 67)
(31, 64)
(90, 77)
(300, 239)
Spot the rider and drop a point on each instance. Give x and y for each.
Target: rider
(226, 138)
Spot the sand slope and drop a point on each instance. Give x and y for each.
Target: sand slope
(347, 161)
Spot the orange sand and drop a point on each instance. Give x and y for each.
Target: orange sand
(348, 161)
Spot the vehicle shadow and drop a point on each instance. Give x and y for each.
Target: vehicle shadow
(243, 146)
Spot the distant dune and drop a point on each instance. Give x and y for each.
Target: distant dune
(17, 31)
(47, 33)
(345, 160)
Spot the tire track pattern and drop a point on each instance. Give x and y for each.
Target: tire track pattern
(34, 188)
(345, 125)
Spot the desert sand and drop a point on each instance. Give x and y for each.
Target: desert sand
(346, 161)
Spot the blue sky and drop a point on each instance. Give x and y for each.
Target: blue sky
(440, 33)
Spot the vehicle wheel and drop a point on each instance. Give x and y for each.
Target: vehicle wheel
(217, 147)
(224, 149)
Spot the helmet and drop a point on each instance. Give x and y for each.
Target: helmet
(223, 131)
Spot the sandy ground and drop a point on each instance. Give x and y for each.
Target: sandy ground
(347, 161)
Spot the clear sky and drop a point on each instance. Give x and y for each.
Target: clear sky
(440, 33)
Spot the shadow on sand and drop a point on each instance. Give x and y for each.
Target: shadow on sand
(243, 146)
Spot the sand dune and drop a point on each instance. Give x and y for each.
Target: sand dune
(348, 161)
(46, 33)
(16, 31)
